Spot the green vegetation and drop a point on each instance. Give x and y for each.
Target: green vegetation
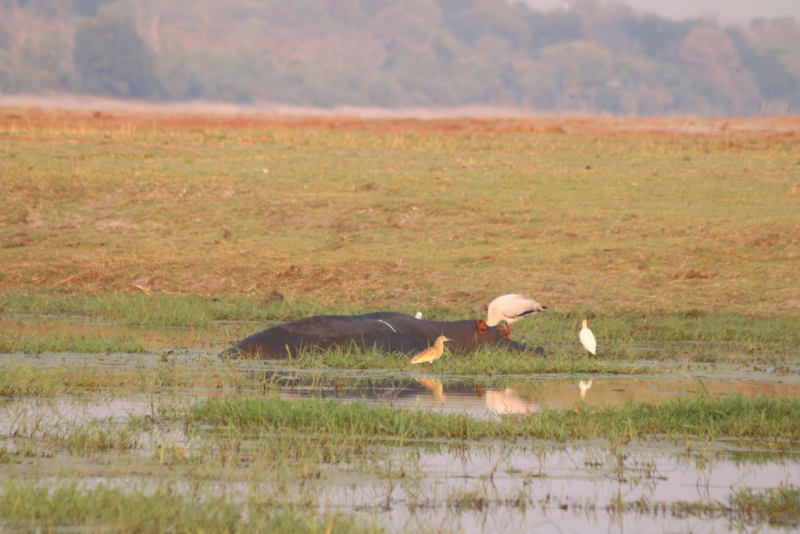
(33, 505)
(484, 361)
(111, 58)
(618, 326)
(67, 342)
(702, 417)
(27, 380)
(167, 310)
(779, 507)
(384, 53)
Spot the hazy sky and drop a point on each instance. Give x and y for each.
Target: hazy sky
(725, 11)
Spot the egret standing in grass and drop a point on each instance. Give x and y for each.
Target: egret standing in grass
(587, 338)
(433, 353)
(510, 308)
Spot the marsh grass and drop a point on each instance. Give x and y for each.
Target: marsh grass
(141, 323)
(166, 310)
(702, 417)
(95, 436)
(29, 381)
(614, 327)
(483, 361)
(778, 507)
(26, 380)
(32, 505)
(69, 342)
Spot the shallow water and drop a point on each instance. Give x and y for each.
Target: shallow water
(527, 395)
(477, 395)
(521, 486)
(457, 487)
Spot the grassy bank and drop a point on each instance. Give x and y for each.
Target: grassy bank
(32, 506)
(702, 417)
(120, 323)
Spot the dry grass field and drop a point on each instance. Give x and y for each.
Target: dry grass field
(582, 214)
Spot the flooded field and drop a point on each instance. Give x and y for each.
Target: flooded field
(136, 247)
(148, 438)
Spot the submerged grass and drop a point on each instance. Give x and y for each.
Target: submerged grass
(778, 507)
(35, 506)
(96, 436)
(698, 416)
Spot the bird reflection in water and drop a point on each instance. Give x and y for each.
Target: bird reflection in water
(584, 385)
(508, 402)
(435, 387)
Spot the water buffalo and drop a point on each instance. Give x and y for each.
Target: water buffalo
(386, 331)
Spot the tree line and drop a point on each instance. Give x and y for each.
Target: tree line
(595, 57)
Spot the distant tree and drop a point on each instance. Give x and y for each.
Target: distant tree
(708, 53)
(470, 21)
(370, 7)
(548, 29)
(178, 73)
(774, 81)
(88, 8)
(579, 62)
(6, 38)
(452, 7)
(674, 80)
(658, 38)
(112, 59)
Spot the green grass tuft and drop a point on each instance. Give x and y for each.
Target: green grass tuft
(484, 361)
(780, 507)
(35, 506)
(700, 416)
(69, 342)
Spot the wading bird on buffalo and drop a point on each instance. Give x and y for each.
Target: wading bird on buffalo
(511, 308)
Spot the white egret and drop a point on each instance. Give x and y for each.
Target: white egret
(587, 338)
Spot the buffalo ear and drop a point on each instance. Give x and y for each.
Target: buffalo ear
(482, 326)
